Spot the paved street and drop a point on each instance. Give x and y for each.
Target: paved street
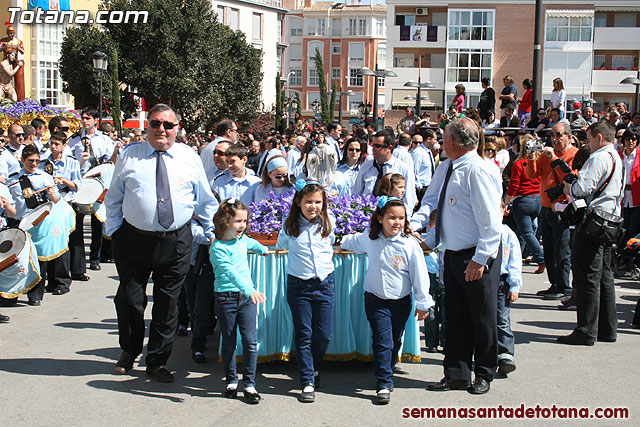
(56, 368)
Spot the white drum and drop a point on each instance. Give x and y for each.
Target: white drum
(104, 174)
(19, 268)
(36, 216)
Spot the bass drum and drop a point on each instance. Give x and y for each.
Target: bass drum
(19, 268)
(51, 235)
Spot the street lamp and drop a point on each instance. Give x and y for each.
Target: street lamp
(364, 71)
(419, 85)
(316, 106)
(100, 63)
(633, 81)
(340, 95)
(364, 110)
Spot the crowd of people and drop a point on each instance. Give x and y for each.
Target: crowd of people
(177, 210)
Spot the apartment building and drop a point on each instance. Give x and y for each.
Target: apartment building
(262, 23)
(591, 46)
(349, 36)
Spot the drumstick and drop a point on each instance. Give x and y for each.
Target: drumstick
(28, 192)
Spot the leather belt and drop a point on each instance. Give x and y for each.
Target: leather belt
(157, 233)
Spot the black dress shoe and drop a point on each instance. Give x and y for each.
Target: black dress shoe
(160, 374)
(49, 289)
(446, 384)
(576, 339)
(60, 291)
(35, 303)
(124, 363)
(94, 267)
(231, 393)
(479, 386)
(80, 277)
(383, 397)
(605, 339)
(199, 357)
(252, 398)
(551, 290)
(307, 396)
(4, 318)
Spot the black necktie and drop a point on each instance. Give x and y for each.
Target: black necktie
(379, 168)
(163, 192)
(443, 193)
(433, 165)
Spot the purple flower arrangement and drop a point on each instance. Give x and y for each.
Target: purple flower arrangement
(352, 213)
(24, 111)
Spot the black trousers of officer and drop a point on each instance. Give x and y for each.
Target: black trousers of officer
(138, 256)
(471, 317)
(76, 244)
(594, 289)
(200, 301)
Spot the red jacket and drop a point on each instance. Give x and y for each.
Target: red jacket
(635, 178)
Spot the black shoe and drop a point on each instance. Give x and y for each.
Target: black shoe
(124, 363)
(603, 339)
(231, 393)
(4, 318)
(80, 277)
(49, 289)
(446, 384)
(5, 302)
(35, 303)
(551, 290)
(432, 349)
(553, 296)
(199, 357)
(160, 374)
(94, 267)
(383, 397)
(60, 291)
(506, 366)
(479, 386)
(182, 331)
(307, 396)
(576, 339)
(252, 398)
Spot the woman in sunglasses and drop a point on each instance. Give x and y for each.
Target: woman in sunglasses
(630, 155)
(275, 178)
(353, 154)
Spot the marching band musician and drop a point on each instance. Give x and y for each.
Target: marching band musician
(6, 210)
(65, 171)
(91, 147)
(40, 180)
(10, 156)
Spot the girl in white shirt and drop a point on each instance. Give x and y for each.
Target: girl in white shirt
(396, 267)
(558, 96)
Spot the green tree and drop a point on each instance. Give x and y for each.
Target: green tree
(332, 103)
(115, 90)
(280, 98)
(299, 101)
(322, 85)
(182, 56)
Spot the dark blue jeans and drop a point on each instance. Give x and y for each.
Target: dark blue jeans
(525, 210)
(311, 302)
(387, 318)
(506, 339)
(235, 310)
(556, 238)
(434, 325)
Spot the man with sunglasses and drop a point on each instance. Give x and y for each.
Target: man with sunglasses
(157, 186)
(11, 155)
(90, 147)
(383, 163)
(226, 130)
(554, 228)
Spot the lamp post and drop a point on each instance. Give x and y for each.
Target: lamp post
(364, 110)
(419, 85)
(316, 106)
(100, 63)
(364, 71)
(340, 95)
(633, 81)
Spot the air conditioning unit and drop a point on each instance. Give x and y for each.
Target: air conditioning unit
(422, 11)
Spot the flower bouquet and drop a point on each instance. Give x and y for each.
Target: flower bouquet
(352, 213)
(23, 112)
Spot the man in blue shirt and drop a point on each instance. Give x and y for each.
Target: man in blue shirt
(468, 227)
(157, 187)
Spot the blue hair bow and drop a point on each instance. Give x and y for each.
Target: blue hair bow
(301, 183)
(383, 200)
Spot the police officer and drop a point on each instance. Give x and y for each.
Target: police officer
(470, 194)
(157, 187)
(600, 184)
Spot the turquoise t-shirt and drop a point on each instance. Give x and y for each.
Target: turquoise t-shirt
(230, 266)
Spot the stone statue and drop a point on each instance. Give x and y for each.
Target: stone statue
(321, 165)
(7, 45)
(9, 68)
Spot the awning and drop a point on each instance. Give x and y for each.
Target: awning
(570, 12)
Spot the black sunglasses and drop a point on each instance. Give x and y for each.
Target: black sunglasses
(357, 150)
(65, 129)
(155, 124)
(280, 176)
(219, 153)
(378, 145)
(18, 135)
